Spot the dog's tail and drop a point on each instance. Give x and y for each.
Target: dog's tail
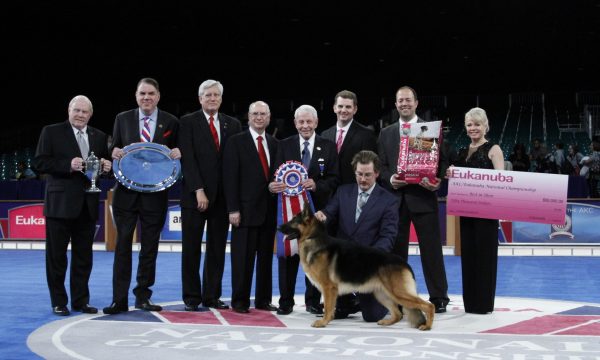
(416, 317)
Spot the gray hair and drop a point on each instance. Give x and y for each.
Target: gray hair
(306, 109)
(478, 115)
(208, 84)
(84, 98)
(259, 102)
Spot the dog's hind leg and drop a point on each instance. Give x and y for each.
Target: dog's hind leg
(392, 307)
(402, 288)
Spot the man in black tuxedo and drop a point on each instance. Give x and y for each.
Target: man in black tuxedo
(248, 167)
(202, 138)
(322, 182)
(144, 124)
(418, 202)
(348, 134)
(70, 212)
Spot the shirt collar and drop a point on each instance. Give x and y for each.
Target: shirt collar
(152, 116)
(368, 191)
(345, 128)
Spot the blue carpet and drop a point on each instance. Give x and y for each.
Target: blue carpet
(26, 304)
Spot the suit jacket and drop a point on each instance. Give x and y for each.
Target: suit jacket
(358, 138)
(324, 156)
(65, 189)
(418, 199)
(200, 161)
(246, 188)
(127, 131)
(377, 225)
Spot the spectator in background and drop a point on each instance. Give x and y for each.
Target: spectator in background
(24, 172)
(593, 162)
(519, 158)
(559, 156)
(537, 154)
(574, 157)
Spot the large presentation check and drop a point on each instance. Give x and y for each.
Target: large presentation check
(507, 195)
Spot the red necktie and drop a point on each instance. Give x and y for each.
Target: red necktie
(340, 138)
(263, 156)
(213, 130)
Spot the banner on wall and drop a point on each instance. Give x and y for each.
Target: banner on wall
(580, 227)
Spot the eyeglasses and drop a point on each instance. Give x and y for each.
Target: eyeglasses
(259, 113)
(364, 175)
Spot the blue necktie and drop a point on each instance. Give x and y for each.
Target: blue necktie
(306, 155)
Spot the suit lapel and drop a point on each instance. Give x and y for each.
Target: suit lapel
(350, 209)
(349, 137)
(160, 128)
(205, 133)
(70, 134)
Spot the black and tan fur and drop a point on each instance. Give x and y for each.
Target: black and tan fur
(339, 267)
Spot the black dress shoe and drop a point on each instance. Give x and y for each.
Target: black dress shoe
(267, 307)
(60, 311)
(86, 309)
(147, 305)
(317, 310)
(216, 304)
(241, 310)
(191, 307)
(440, 307)
(340, 314)
(284, 310)
(115, 308)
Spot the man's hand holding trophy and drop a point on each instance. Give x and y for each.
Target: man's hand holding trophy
(92, 167)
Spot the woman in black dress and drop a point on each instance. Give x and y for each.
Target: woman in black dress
(479, 237)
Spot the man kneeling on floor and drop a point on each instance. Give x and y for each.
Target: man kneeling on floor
(366, 213)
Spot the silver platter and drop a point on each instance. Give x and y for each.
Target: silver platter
(146, 167)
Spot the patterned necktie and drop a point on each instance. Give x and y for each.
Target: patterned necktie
(263, 157)
(213, 131)
(339, 141)
(362, 200)
(306, 155)
(83, 146)
(145, 135)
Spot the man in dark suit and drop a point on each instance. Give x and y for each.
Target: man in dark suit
(202, 138)
(349, 135)
(321, 156)
(418, 202)
(248, 165)
(366, 214)
(144, 124)
(70, 212)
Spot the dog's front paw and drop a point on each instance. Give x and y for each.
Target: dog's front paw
(387, 322)
(319, 323)
(424, 327)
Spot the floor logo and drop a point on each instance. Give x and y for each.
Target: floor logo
(520, 329)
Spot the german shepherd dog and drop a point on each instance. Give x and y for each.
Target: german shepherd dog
(338, 267)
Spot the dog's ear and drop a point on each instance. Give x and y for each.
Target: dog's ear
(306, 211)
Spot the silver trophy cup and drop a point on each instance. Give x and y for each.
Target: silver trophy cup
(92, 171)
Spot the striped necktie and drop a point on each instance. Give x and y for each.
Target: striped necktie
(145, 136)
